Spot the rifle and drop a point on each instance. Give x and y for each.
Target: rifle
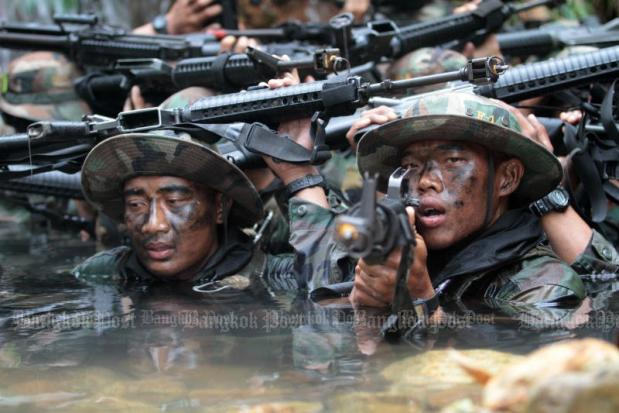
(380, 40)
(372, 229)
(92, 45)
(325, 99)
(540, 78)
(105, 92)
(544, 41)
(89, 44)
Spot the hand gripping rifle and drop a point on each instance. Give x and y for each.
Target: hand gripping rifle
(372, 229)
(323, 99)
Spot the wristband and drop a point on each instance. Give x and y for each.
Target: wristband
(308, 181)
(160, 24)
(425, 308)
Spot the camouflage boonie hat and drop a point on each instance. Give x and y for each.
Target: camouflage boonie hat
(39, 86)
(462, 117)
(115, 160)
(426, 61)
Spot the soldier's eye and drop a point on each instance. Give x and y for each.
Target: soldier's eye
(454, 159)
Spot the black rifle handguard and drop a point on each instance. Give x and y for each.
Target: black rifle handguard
(540, 78)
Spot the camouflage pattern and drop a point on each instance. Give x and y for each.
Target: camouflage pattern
(320, 261)
(426, 61)
(600, 256)
(186, 97)
(463, 117)
(119, 158)
(120, 266)
(538, 276)
(39, 86)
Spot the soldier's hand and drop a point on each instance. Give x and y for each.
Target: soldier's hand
(374, 285)
(572, 117)
(299, 131)
(231, 44)
(190, 16)
(376, 116)
(135, 100)
(358, 8)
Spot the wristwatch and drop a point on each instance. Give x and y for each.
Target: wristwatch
(557, 200)
(308, 181)
(425, 308)
(160, 24)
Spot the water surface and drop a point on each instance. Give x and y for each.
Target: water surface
(68, 345)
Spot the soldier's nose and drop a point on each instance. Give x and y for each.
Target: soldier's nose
(157, 220)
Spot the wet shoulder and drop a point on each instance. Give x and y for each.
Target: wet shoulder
(541, 277)
(105, 264)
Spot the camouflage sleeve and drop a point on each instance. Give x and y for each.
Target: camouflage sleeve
(543, 279)
(318, 259)
(102, 266)
(599, 257)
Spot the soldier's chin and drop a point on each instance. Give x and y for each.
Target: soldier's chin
(437, 239)
(163, 269)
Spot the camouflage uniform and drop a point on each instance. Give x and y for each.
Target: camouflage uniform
(39, 86)
(509, 262)
(236, 264)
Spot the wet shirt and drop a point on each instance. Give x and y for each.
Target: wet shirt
(519, 268)
(235, 265)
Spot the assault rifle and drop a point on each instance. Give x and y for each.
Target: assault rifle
(106, 91)
(544, 41)
(521, 82)
(92, 45)
(372, 229)
(55, 142)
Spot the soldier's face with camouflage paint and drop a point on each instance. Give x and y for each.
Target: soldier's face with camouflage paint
(172, 223)
(449, 178)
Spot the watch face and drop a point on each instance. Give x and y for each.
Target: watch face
(558, 198)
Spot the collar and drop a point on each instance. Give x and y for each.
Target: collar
(513, 235)
(230, 258)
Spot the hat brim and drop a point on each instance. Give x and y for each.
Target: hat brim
(70, 110)
(115, 160)
(380, 150)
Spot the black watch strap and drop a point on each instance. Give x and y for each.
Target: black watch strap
(425, 308)
(308, 181)
(557, 200)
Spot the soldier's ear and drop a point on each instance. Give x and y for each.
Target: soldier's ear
(223, 205)
(508, 176)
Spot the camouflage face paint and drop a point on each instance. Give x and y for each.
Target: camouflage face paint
(172, 224)
(449, 178)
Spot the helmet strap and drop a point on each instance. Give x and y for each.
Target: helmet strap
(489, 190)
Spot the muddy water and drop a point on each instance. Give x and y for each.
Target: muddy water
(73, 346)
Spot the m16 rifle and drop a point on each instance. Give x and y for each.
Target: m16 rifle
(521, 82)
(106, 92)
(324, 99)
(373, 229)
(89, 44)
(541, 42)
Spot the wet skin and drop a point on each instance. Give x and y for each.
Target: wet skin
(450, 180)
(172, 223)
